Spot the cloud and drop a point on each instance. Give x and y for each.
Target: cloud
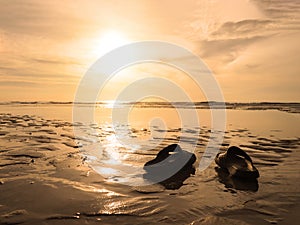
(267, 71)
(36, 74)
(47, 19)
(56, 61)
(209, 16)
(18, 84)
(286, 13)
(225, 50)
(232, 39)
(275, 56)
(229, 38)
(243, 28)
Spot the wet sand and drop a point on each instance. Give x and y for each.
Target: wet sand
(45, 177)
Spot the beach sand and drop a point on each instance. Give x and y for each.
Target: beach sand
(45, 177)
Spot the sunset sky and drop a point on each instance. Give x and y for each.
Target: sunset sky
(252, 46)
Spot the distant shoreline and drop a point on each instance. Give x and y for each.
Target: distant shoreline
(290, 107)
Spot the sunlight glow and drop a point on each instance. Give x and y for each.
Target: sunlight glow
(108, 41)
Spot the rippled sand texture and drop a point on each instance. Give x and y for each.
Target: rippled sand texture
(45, 180)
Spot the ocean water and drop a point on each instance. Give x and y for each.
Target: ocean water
(46, 175)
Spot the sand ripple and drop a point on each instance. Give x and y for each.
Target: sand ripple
(44, 178)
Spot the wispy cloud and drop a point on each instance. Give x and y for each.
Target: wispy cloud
(15, 83)
(244, 29)
(47, 19)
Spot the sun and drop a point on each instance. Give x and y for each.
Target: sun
(108, 41)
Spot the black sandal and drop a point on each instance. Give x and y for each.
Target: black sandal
(237, 162)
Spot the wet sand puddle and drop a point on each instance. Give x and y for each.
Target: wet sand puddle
(45, 178)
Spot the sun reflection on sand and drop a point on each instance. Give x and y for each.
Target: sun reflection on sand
(112, 145)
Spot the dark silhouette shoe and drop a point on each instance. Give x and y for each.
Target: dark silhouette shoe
(237, 162)
(171, 167)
